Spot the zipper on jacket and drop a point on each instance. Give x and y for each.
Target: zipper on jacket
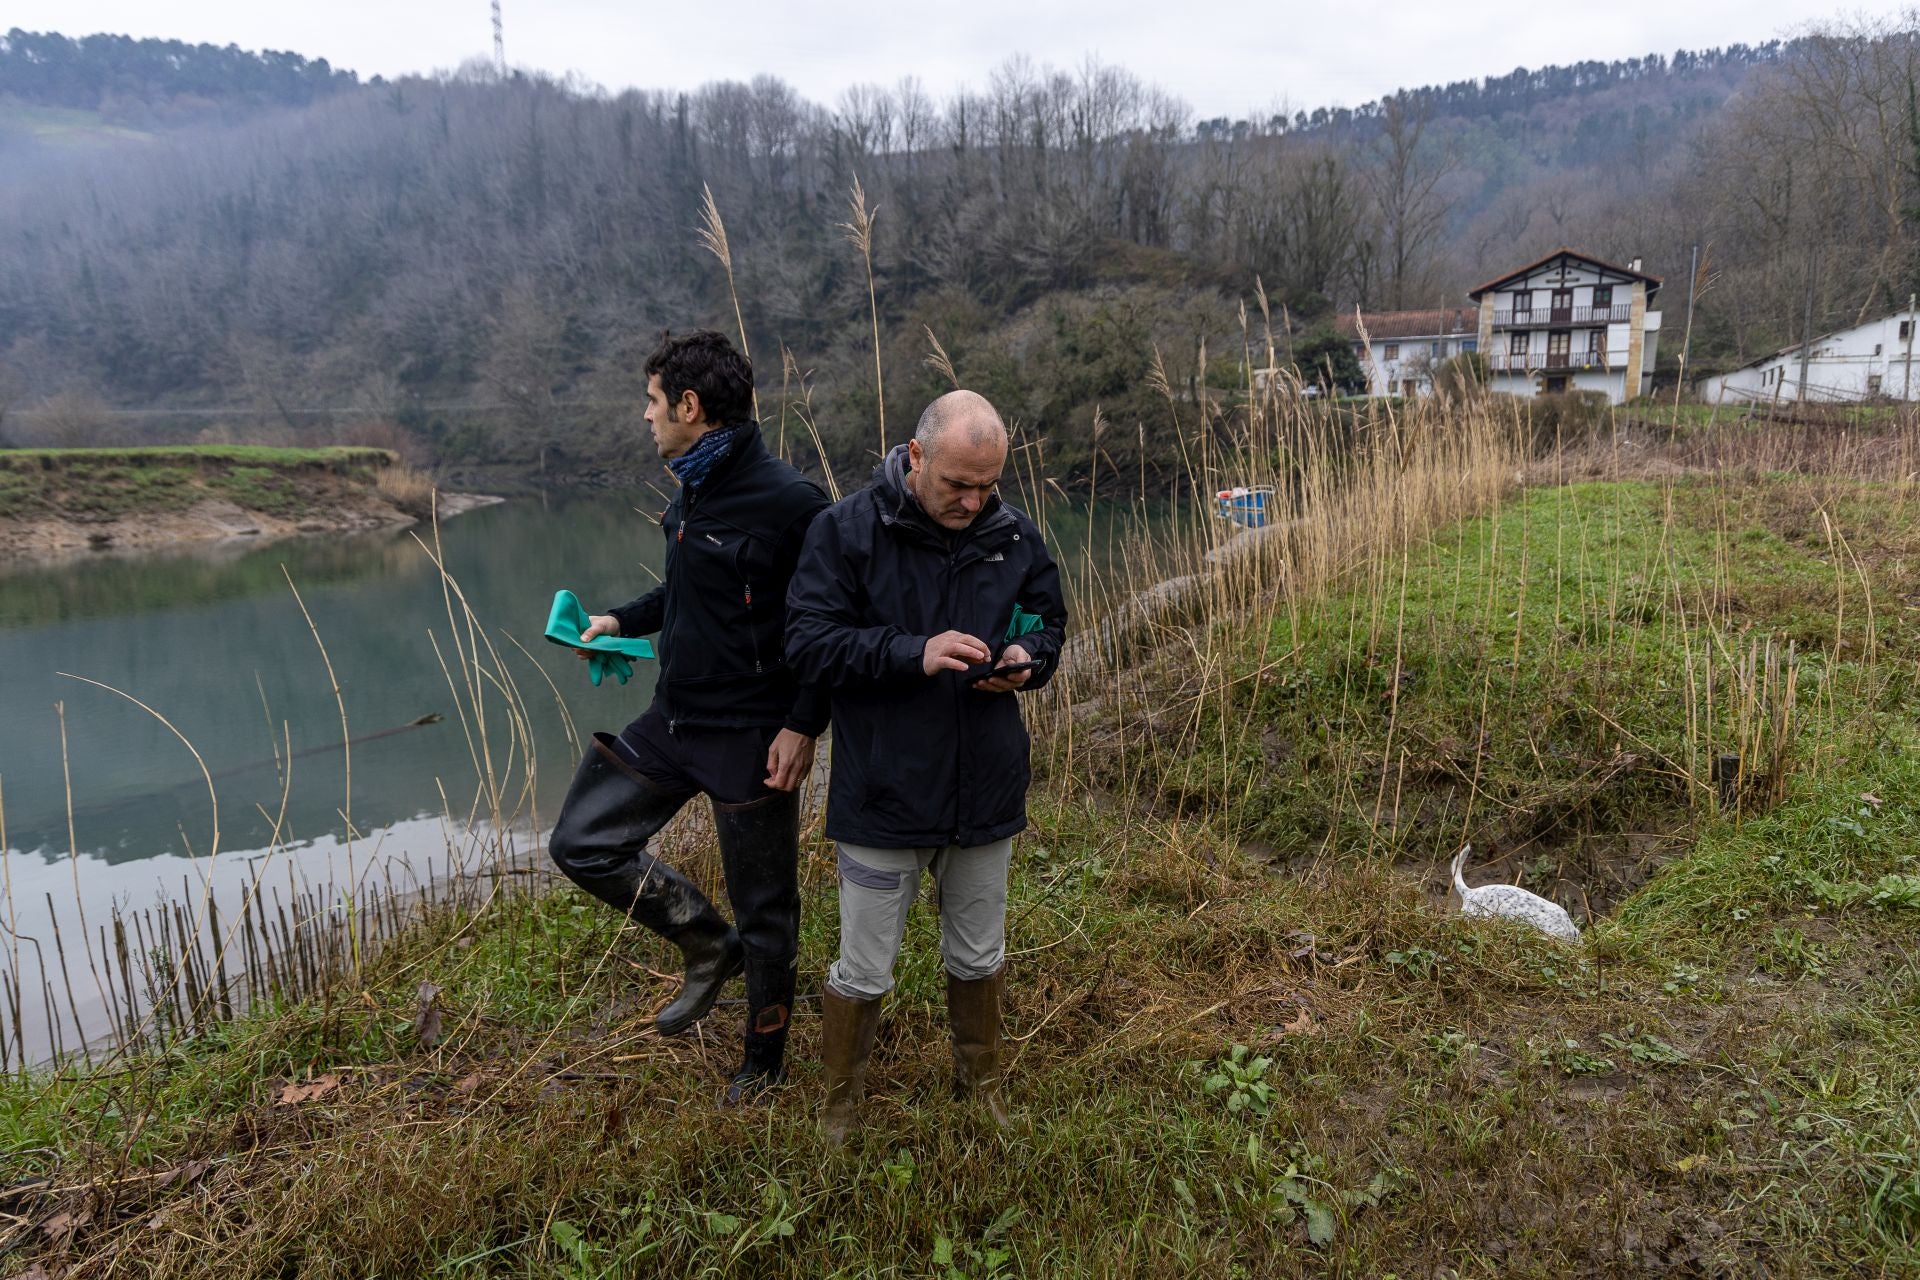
(959, 708)
(754, 635)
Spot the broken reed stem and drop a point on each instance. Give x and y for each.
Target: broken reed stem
(73, 855)
(346, 734)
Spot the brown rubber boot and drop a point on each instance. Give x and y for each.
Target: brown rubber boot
(973, 1008)
(847, 1029)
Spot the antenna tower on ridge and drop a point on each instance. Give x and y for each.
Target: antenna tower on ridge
(499, 42)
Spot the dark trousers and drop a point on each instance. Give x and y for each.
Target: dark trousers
(600, 839)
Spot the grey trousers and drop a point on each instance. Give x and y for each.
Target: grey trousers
(877, 886)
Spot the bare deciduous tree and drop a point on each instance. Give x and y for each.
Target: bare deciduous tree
(1404, 177)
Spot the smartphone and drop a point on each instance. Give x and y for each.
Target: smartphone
(987, 670)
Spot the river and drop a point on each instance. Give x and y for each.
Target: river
(214, 640)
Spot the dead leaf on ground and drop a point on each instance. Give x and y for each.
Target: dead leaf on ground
(65, 1223)
(467, 1084)
(426, 1016)
(1300, 1026)
(34, 1272)
(192, 1171)
(294, 1092)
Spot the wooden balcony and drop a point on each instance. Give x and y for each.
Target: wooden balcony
(1551, 362)
(1544, 317)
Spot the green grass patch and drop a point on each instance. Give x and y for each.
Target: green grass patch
(97, 485)
(65, 124)
(330, 456)
(1248, 1038)
(1558, 683)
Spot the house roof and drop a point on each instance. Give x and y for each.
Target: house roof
(1793, 348)
(1563, 252)
(1389, 325)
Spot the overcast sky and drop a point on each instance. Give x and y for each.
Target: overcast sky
(1223, 58)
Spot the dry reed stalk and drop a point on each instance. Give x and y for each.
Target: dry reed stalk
(213, 798)
(788, 368)
(340, 703)
(501, 813)
(73, 858)
(938, 360)
(804, 412)
(860, 234)
(409, 490)
(713, 234)
(566, 715)
(13, 933)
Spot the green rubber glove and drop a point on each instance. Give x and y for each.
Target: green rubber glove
(610, 655)
(1024, 623)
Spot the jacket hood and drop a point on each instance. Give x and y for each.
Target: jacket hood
(899, 506)
(890, 479)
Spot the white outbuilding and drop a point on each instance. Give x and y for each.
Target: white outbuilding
(1868, 361)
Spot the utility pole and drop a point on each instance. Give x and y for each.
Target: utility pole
(1906, 386)
(499, 43)
(1686, 341)
(1806, 332)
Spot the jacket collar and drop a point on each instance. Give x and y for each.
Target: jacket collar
(746, 438)
(901, 511)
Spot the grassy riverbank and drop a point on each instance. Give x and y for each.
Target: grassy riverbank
(1239, 840)
(54, 499)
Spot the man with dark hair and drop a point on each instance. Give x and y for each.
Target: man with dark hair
(729, 718)
(906, 593)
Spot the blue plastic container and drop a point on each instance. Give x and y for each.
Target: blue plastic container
(1245, 506)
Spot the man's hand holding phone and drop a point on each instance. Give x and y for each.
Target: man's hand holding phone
(1015, 668)
(952, 651)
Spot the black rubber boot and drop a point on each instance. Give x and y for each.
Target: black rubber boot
(760, 853)
(713, 956)
(600, 843)
(769, 1015)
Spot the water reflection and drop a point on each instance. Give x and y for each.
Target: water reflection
(221, 648)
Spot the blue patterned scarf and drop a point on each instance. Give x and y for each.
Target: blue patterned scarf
(692, 466)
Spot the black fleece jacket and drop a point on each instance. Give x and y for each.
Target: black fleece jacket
(919, 760)
(721, 608)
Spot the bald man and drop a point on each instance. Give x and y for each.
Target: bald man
(906, 596)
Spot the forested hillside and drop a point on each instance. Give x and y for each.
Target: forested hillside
(147, 84)
(476, 260)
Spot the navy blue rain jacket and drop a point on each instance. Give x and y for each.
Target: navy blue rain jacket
(919, 760)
